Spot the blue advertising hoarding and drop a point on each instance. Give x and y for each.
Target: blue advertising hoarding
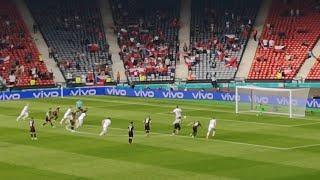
(114, 91)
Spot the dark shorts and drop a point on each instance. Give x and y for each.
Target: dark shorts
(130, 134)
(48, 119)
(32, 129)
(147, 128)
(72, 122)
(177, 126)
(195, 129)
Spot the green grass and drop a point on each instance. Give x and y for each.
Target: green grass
(245, 146)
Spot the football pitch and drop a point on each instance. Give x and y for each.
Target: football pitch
(245, 146)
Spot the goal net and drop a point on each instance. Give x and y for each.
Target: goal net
(290, 102)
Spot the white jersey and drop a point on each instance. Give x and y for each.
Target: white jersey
(106, 122)
(82, 116)
(212, 123)
(196, 124)
(147, 121)
(67, 113)
(177, 120)
(25, 109)
(177, 112)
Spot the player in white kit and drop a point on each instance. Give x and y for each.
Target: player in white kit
(105, 124)
(81, 118)
(212, 127)
(176, 126)
(24, 113)
(176, 123)
(177, 111)
(66, 115)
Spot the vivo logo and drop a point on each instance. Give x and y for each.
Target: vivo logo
(149, 94)
(116, 92)
(4, 96)
(173, 95)
(259, 99)
(313, 104)
(83, 92)
(285, 101)
(43, 94)
(228, 97)
(202, 95)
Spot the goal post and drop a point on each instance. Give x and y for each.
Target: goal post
(290, 102)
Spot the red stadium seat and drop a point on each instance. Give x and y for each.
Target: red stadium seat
(301, 34)
(14, 30)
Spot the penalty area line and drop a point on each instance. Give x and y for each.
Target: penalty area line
(304, 146)
(181, 136)
(306, 124)
(230, 120)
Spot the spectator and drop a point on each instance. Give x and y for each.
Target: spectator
(271, 43)
(12, 79)
(291, 12)
(214, 81)
(28, 57)
(35, 28)
(265, 43)
(118, 77)
(50, 50)
(40, 58)
(279, 75)
(255, 33)
(69, 77)
(32, 82)
(310, 54)
(185, 47)
(297, 12)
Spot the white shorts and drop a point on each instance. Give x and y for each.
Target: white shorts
(24, 113)
(211, 128)
(105, 128)
(80, 121)
(66, 116)
(69, 117)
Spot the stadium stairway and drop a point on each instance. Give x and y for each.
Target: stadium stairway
(39, 41)
(252, 45)
(108, 23)
(184, 37)
(309, 63)
(311, 71)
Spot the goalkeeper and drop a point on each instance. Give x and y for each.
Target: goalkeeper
(261, 109)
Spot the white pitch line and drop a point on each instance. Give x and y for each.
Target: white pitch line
(199, 109)
(252, 122)
(236, 142)
(181, 136)
(298, 125)
(304, 146)
(106, 135)
(248, 122)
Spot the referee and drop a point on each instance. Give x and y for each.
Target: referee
(130, 132)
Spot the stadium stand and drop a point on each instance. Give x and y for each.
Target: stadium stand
(148, 38)
(21, 63)
(290, 33)
(219, 33)
(314, 73)
(74, 32)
